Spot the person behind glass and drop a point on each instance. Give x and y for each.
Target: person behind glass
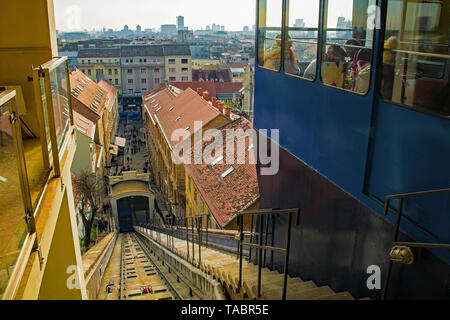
(273, 56)
(362, 78)
(333, 66)
(352, 51)
(388, 69)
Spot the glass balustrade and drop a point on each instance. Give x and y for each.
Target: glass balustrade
(13, 189)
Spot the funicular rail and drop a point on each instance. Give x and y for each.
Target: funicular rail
(140, 278)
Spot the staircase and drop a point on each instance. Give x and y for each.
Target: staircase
(224, 267)
(226, 270)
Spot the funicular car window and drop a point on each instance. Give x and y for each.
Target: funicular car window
(348, 44)
(300, 50)
(269, 34)
(415, 69)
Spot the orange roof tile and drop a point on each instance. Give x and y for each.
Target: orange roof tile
(83, 124)
(238, 65)
(235, 192)
(87, 92)
(178, 111)
(111, 93)
(194, 85)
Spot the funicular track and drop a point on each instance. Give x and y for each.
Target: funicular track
(140, 277)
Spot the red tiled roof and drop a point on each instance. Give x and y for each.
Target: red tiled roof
(87, 92)
(236, 191)
(228, 87)
(83, 124)
(213, 88)
(178, 111)
(205, 85)
(111, 93)
(238, 65)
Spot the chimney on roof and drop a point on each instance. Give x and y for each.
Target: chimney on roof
(220, 106)
(200, 91)
(228, 112)
(206, 95)
(214, 101)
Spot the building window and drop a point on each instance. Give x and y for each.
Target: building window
(171, 61)
(144, 90)
(184, 61)
(82, 61)
(116, 81)
(127, 61)
(300, 53)
(156, 70)
(89, 72)
(130, 91)
(185, 79)
(145, 60)
(269, 34)
(82, 70)
(347, 52)
(130, 70)
(130, 81)
(172, 70)
(115, 72)
(131, 60)
(140, 60)
(109, 71)
(157, 80)
(110, 80)
(143, 70)
(415, 69)
(172, 79)
(184, 70)
(143, 81)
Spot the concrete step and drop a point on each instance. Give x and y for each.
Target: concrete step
(338, 296)
(314, 294)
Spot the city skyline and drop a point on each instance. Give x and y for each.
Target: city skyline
(78, 15)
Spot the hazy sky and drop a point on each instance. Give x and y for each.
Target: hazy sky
(74, 15)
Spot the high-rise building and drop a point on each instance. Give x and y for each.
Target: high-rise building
(169, 29)
(180, 23)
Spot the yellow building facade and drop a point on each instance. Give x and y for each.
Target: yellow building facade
(178, 63)
(99, 63)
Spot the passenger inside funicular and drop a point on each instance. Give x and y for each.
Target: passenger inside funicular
(273, 56)
(333, 66)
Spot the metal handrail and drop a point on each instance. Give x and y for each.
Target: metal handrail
(260, 246)
(401, 197)
(121, 270)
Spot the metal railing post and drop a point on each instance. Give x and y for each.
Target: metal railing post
(251, 239)
(286, 256)
(260, 254)
(241, 238)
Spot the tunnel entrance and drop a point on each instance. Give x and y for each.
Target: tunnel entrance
(132, 210)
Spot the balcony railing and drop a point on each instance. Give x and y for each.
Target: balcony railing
(28, 158)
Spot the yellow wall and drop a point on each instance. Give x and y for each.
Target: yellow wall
(178, 66)
(90, 69)
(27, 39)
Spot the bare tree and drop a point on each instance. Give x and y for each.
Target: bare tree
(89, 190)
